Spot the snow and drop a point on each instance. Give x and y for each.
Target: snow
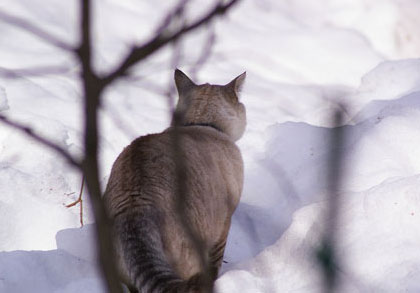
(367, 218)
(304, 60)
(47, 271)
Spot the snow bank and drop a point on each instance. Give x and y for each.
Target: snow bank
(377, 233)
(70, 268)
(303, 60)
(291, 171)
(47, 271)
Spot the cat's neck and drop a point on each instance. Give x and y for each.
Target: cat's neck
(205, 125)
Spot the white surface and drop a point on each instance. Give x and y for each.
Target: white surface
(303, 59)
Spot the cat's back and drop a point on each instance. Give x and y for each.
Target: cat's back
(147, 167)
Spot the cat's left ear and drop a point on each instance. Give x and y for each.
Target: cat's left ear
(183, 82)
(237, 83)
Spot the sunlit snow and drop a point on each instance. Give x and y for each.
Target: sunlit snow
(304, 59)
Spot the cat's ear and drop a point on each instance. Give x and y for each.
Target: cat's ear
(237, 83)
(183, 82)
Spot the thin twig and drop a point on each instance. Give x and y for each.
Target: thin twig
(42, 140)
(147, 85)
(79, 200)
(205, 53)
(33, 29)
(35, 71)
(157, 42)
(177, 11)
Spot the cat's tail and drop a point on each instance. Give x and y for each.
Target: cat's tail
(142, 251)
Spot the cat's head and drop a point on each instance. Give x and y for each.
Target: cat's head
(215, 105)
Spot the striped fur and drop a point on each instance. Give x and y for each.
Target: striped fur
(154, 252)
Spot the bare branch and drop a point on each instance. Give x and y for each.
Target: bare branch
(205, 54)
(35, 71)
(36, 31)
(327, 254)
(147, 85)
(79, 200)
(181, 188)
(179, 10)
(92, 89)
(157, 42)
(55, 147)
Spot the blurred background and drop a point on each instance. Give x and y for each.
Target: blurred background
(304, 60)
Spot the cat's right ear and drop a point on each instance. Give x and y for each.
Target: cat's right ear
(183, 82)
(237, 84)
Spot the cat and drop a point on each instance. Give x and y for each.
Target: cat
(156, 251)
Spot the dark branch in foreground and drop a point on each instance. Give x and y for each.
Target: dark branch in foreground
(140, 53)
(327, 255)
(35, 71)
(92, 92)
(205, 54)
(44, 141)
(180, 191)
(36, 31)
(177, 11)
(93, 87)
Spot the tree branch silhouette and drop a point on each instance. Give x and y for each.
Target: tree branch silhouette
(93, 86)
(42, 140)
(91, 99)
(162, 39)
(327, 254)
(34, 30)
(33, 71)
